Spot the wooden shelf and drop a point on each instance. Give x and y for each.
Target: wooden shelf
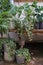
(37, 31)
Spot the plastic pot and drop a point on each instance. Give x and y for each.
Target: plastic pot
(20, 60)
(7, 56)
(13, 35)
(40, 25)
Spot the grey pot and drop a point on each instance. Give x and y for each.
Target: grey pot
(20, 60)
(13, 36)
(7, 56)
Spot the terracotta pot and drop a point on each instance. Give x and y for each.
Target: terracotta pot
(19, 59)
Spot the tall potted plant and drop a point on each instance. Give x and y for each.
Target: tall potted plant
(25, 23)
(16, 13)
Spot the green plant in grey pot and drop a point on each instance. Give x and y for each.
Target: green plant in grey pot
(9, 50)
(22, 55)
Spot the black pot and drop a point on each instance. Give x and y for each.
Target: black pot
(19, 59)
(38, 25)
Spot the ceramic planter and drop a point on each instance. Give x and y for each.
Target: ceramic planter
(19, 59)
(7, 56)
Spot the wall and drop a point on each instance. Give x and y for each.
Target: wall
(20, 3)
(27, 0)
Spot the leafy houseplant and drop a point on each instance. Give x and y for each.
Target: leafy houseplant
(4, 5)
(23, 55)
(38, 15)
(17, 22)
(23, 24)
(9, 50)
(40, 20)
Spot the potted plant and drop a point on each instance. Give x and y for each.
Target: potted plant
(23, 23)
(40, 20)
(9, 50)
(37, 15)
(22, 55)
(16, 13)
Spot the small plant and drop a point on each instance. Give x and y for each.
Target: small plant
(24, 52)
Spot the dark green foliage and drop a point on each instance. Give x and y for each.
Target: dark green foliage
(4, 5)
(24, 52)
